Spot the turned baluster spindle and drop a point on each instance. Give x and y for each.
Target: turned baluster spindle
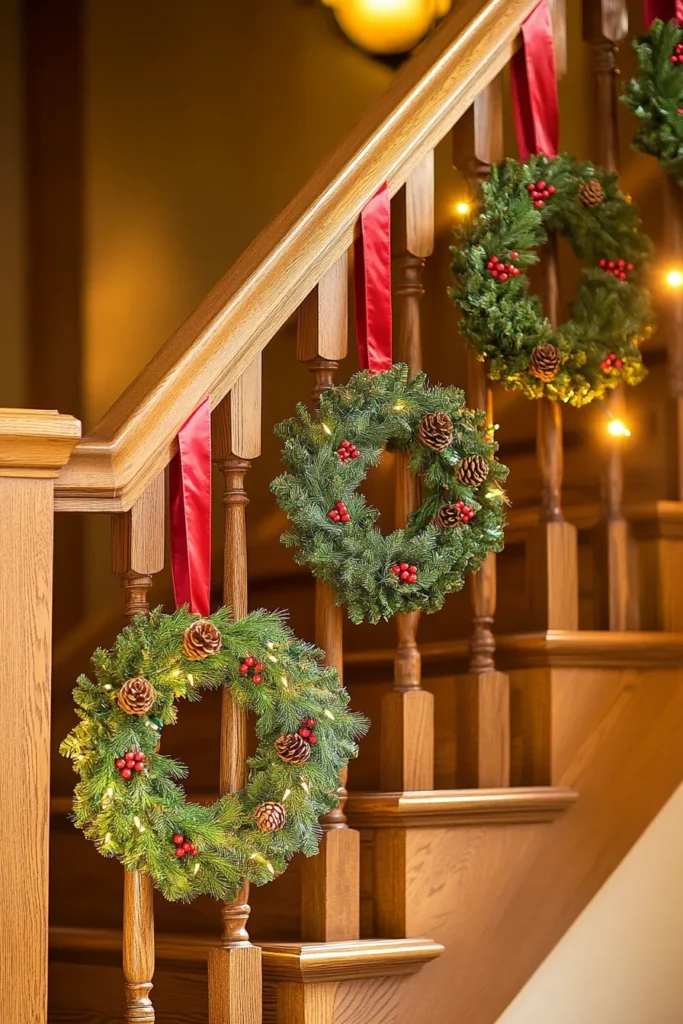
(235, 965)
(482, 696)
(407, 736)
(330, 908)
(137, 555)
(604, 24)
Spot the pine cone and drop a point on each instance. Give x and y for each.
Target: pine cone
(544, 362)
(292, 748)
(591, 193)
(473, 470)
(435, 430)
(201, 639)
(270, 817)
(452, 515)
(136, 696)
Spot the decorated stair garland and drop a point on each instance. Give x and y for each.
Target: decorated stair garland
(328, 455)
(599, 347)
(128, 800)
(655, 95)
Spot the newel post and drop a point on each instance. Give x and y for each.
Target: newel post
(34, 445)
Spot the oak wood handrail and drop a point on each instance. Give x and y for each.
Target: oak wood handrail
(111, 468)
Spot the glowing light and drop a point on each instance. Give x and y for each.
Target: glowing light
(270, 645)
(328, 714)
(286, 793)
(190, 678)
(270, 868)
(462, 209)
(137, 822)
(326, 428)
(110, 792)
(271, 657)
(495, 492)
(196, 869)
(107, 686)
(387, 26)
(674, 279)
(285, 682)
(305, 787)
(175, 673)
(617, 428)
(399, 407)
(107, 839)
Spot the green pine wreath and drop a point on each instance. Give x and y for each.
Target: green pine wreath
(328, 455)
(655, 95)
(128, 801)
(599, 347)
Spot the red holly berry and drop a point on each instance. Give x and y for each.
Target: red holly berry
(630, 267)
(538, 204)
(333, 515)
(395, 569)
(308, 721)
(514, 255)
(412, 569)
(403, 566)
(412, 578)
(405, 575)
(126, 773)
(346, 518)
(502, 277)
(187, 846)
(304, 732)
(258, 667)
(244, 669)
(178, 839)
(139, 756)
(120, 763)
(179, 851)
(256, 679)
(313, 740)
(249, 661)
(139, 766)
(602, 263)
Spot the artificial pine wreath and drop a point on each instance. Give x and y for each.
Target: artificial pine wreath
(458, 523)
(655, 95)
(598, 347)
(127, 800)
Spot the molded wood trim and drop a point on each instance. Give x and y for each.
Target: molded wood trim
(451, 808)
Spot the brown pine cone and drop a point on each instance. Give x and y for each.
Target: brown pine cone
(201, 639)
(453, 515)
(292, 748)
(473, 470)
(544, 362)
(591, 193)
(136, 696)
(270, 817)
(435, 430)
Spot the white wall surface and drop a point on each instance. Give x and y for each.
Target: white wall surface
(622, 960)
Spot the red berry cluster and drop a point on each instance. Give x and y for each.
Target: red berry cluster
(347, 451)
(611, 362)
(183, 846)
(406, 573)
(306, 731)
(339, 514)
(618, 268)
(501, 270)
(465, 511)
(539, 192)
(132, 761)
(252, 668)
(677, 56)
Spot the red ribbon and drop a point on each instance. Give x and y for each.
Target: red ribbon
(190, 494)
(534, 87)
(663, 9)
(373, 284)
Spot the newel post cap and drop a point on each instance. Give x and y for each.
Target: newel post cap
(36, 442)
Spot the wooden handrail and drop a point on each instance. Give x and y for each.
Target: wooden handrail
(110, 469)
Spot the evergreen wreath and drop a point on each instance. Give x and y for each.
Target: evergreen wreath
(655, 95)
(127, 800)
(598, 347)
(328, 454)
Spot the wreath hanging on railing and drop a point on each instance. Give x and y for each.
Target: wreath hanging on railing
(655, 95)
(599, 347)
(328, 455)
(128, 801)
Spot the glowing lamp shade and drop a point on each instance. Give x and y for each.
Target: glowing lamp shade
(674, 279)
(387, 26)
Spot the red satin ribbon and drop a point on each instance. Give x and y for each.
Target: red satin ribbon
(190, 494)
(663, 9)
(373, 284)
(534, 87)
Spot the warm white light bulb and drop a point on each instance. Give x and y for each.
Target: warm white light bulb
(674, 279)
(617, 428)
(462, 209)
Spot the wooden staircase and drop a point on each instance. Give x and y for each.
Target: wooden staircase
(511, 764)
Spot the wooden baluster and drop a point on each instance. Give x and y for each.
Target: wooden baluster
(235, 965)
(34, 445)
(552, 548)
(483, 696)
(330, 908)
(407, 739)
(604, 24)
(137, 554)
